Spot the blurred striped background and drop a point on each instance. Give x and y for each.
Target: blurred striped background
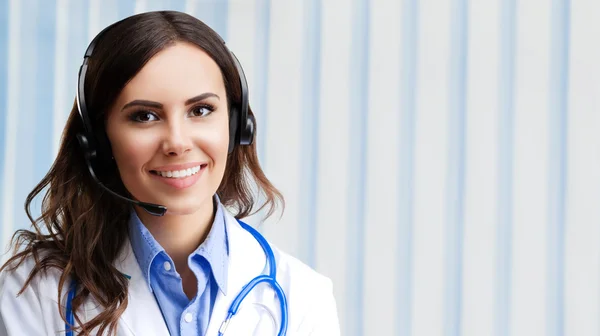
(440, 158)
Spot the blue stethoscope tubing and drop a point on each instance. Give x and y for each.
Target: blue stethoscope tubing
(271, 279)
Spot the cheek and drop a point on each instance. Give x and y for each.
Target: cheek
(215, 144)
(131, 151)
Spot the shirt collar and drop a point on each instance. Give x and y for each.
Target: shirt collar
(145, 247)
(215, 248)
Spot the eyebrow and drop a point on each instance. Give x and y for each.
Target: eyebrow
(149, 103)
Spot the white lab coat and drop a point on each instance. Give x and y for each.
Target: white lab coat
(311, 305)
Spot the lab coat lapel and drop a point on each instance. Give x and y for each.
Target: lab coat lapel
(246, 261)
(143, 315)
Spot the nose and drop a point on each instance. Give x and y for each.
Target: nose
(177, 140)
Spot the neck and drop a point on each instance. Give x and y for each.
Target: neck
(180, 235)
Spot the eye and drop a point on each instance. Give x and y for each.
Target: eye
(143, 117)
(201, 111)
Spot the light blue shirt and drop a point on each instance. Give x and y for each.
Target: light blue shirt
(209, 262)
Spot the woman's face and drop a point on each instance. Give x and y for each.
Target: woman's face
(169, 130)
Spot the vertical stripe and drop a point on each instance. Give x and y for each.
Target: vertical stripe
(62, 85)
(44, 79)
(334, 152)
(310, 128)
(530, 195)
(126, 8)
(261, 59)
(506, 72)
(407, 157)
(77, 42)
(284, 130)
(107, 14)
(73, 35)
(26, 114)
(190, 6)
(151, 5)
(177, 5)
(14, 85)
(140, 6)
(4, 69)
(221, 10)
(582, 232)
(456, 167)
(381, 197)
(357, 163)
(481, 167)
(102, 13)
(214, 14)
(94, 17)
(430, 169)
(240, 40)
(559, 59)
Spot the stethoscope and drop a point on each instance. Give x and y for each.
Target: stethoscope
(271, 279)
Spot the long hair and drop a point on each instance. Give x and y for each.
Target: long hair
(81, 229)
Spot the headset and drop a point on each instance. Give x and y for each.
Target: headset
(96, 148)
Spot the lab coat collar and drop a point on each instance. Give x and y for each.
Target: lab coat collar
(141, 300)
(247, 260)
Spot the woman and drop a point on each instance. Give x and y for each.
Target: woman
(136, 235)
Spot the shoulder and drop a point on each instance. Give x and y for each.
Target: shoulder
(27, 265)
(311, 304)
(19, 273)
(39, 298)
(298, 273)
(310, 297)
(43, 284)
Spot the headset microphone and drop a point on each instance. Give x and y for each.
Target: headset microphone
(151, 208)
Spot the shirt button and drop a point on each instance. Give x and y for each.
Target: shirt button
(188, 317)
(167, 266)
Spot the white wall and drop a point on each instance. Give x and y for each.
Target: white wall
(440, 159)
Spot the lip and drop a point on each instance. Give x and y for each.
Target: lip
(181, 183)
(178, 166)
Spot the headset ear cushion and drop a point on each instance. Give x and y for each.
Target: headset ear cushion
(233, 128)
(104, 149)
(86, 147)
(247, 135)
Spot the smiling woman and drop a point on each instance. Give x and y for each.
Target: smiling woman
(166, 120)
(140, 230)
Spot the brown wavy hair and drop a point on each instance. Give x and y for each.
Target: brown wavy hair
(80, 231)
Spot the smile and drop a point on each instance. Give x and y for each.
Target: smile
(179, 176)
(178, 173)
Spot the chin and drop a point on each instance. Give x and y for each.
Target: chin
(181, 203)
(184, 207)
(180, 212)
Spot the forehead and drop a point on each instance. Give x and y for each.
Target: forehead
(176, 73)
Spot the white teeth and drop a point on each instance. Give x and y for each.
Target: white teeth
(179, 173)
